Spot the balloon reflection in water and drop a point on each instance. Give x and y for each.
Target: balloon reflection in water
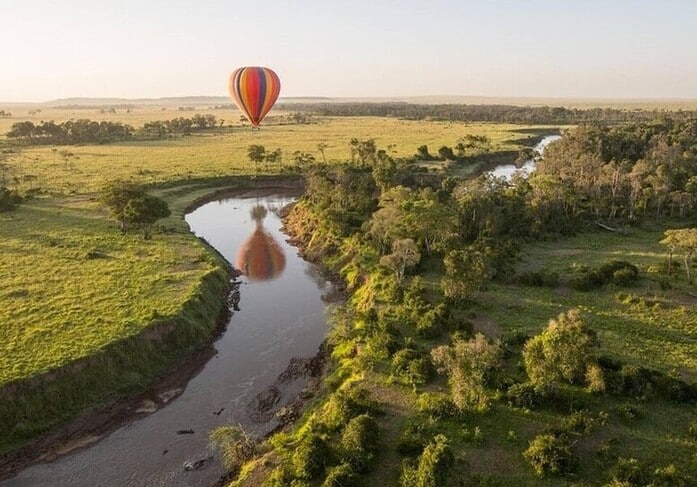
(260, 257)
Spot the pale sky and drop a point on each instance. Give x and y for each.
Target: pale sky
(352, 48)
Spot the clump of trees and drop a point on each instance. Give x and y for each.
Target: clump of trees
(72, 132)
(257, 154)
(564, 351)
(132, 207)
(467, 363)
(5, 114)
(84, 131)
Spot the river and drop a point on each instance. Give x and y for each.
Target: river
(506, 170)
(281, 316)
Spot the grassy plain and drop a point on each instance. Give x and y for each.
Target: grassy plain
(652, 323)
(224, 151)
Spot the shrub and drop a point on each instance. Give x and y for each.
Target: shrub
(433, 466)
(541, 278)
(340, 476)
(236, 446)
(628, 412)
(550, 454)
(9, 199)
(436, 404)
(346, 404)
(595, 379)
(467, 363)
(310, 457)
(617, 272)
(359, 441)
(563, 351)
(412, 440)
(430, 324)
(579, 422)
(527, 395)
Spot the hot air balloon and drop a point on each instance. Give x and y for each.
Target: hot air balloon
(260, 257)
(254, 90)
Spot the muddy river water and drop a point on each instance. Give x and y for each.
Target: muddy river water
(281, 317)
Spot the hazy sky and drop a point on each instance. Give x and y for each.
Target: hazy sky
(356, 48)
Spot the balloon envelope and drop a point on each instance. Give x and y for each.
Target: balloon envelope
(260, 258)
(254, 90)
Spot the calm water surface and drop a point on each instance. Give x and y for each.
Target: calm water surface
(281, 316)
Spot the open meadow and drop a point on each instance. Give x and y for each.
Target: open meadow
(223, 151)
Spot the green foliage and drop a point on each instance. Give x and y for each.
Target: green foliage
(466, 364)
(527, 395)
(564, 351)
(236, 446)
(541, 278)
(436, 404)
(340, 476)
(9, 199)
(617, 272)
(466, 273)
(345, 404)
(359, 442)
(433, 465)
(131, 206)
(310, 457)
(550, 454)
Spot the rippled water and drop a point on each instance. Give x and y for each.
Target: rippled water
(507, 170)
(281, 316)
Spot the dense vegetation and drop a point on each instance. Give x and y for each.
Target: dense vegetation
(84, 131)
(485, 113)
(420, 258)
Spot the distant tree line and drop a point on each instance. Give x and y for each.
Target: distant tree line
(84, 131)
(4, 114)
(629, 171)
(486, 113)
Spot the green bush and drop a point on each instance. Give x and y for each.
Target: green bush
(359, 442)
(617, 272)
(579, 422)
(550, 454)
(434, 464)
(9, 199)
(346, 404)
(527, 395)
(541, 278)
(412, 440)
(310, 457)
(340, 476)
(436, 405)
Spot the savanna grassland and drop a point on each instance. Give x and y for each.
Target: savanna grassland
(222, 152)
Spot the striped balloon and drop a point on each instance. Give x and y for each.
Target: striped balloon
(254, 90)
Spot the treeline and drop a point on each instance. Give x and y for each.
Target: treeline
(84, 131)
(629, 171)
(4, 114)
(486, 113)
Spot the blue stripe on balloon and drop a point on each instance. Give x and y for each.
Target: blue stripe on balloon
(262, 90)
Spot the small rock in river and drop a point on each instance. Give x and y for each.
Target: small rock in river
(185, 432)
(146, 407)
(167, 396)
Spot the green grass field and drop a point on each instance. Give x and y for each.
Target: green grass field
(224, 151)
(634, 323)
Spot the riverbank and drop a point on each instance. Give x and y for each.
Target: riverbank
(71, 407)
